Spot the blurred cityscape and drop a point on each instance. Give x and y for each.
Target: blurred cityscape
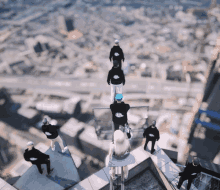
(54, 61)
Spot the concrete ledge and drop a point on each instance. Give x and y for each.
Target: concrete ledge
(5, 186)
(159, 163)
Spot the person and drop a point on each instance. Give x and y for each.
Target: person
(37, 158)
(119, 114)
(119, 149)
(151, 134)
(190, 172)
(116, 53)
(51, 131)
(116, 78)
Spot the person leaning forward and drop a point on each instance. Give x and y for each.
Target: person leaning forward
(190, 172)
(51, 131)
(37, 158)
(151, 134)
(116, 53)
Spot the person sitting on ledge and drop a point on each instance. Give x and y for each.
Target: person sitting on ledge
(120, 151)
(190, 172)
(51, 131)
(37, 158)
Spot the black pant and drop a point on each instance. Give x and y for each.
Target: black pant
(119, 62)
(182, 179)
(47, 162)
(153, 143)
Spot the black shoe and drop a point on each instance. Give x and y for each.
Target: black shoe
(50, 171)
(152, 151)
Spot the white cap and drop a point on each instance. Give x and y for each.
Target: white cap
(53, 122)
(30, 143)
(116, 41)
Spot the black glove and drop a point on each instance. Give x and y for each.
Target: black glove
(123, 83)
(108, 83)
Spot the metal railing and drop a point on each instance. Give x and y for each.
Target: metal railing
(104, 129)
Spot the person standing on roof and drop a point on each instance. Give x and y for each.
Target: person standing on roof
(51, 131)
(37, 158)
(151, 134)
(116, 53)
(119, 114)
(190, 172)
(116, 78)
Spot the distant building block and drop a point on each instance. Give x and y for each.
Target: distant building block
(28, 113)
(71, 127)
(73, 35)
(71, 105)
(49, 106)
(65, 24)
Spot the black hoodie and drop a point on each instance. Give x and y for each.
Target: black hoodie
(35, 156)
(51, 131)
(116, 76)
(116, 53)
(151, 133)
(119, 112)
(191, 171)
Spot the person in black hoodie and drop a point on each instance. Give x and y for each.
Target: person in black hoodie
(117, 79)
(116, 53)
(190, 172)
(51, 131)
(37, 158)
(151, 134)
(119, 114)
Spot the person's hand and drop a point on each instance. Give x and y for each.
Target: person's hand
(108, 83)
(123, 83)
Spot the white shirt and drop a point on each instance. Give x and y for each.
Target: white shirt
(33, 159)
(116, 77)
(116, 54)
(151, 135)
(48, 134)
(119, 115)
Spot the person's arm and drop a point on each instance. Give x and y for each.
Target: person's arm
(122, 55)
(128, 107)
(109, 76)
(158, 136)
(123, 77)
(111, 54)
(26, 158)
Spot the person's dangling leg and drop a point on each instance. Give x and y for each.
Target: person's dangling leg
(125, 169)
(39, 168)
(181, 180)
(113, 94)
(152, 146)
(190, 180)
(53, 144)
(60, 141)
(146, 142)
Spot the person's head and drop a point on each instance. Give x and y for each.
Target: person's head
(53, 122)
(118, 98)
(46, 120)
(195, 161)
(121, 143)
(30, 145)
(154, 123)
(115, 64)
(116, 42)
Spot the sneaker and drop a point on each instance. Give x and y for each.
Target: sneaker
(53, 148)
(65, 149)
(50, 171)
(152, 151)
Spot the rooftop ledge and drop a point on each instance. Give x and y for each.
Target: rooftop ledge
(159, 163)
(163, 168)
